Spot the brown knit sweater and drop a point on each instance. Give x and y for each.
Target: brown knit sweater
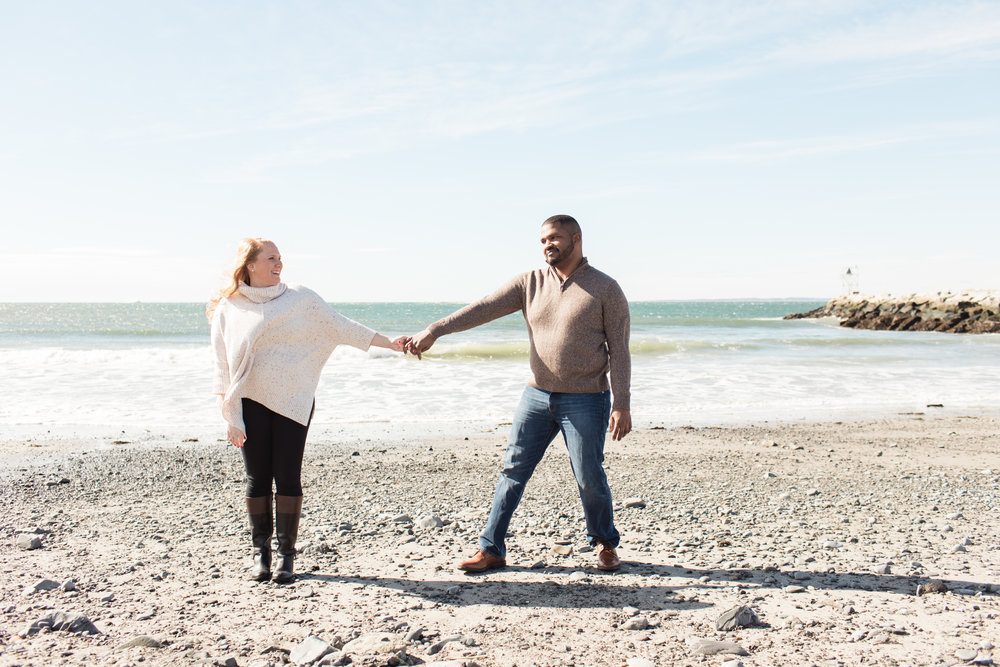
(578, 329)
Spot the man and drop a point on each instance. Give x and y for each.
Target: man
(578, 326)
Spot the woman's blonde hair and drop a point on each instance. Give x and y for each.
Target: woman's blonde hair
(239, 273)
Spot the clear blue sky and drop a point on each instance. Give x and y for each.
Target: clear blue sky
(410, 150)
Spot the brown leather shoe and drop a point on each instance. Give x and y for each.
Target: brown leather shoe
(607, 559)
(482, 562)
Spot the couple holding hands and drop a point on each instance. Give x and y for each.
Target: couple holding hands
(272, 340)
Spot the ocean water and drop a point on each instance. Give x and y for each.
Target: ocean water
(105, 368)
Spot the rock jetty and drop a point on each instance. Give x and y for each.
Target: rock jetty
(950, 312)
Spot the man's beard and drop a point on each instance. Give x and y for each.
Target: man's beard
(562, 254)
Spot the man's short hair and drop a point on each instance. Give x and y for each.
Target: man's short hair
(567, 222)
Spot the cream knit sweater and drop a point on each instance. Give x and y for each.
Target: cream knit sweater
(271, 344)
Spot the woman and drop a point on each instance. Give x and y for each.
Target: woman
(271, 341)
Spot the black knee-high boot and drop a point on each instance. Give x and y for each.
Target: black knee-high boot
(261, 526)
(287, 512)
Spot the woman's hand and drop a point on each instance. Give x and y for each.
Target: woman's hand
(382, 341)
(235, 436)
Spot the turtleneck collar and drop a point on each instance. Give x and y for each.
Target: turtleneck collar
(262, 294)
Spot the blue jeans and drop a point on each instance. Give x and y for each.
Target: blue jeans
(583, 420)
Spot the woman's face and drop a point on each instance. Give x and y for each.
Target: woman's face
(265, 271)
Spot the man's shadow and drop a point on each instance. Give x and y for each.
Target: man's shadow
(599, 591)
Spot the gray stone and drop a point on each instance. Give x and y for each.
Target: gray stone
(310, 649)
(740, 616)
(712, 647)
(579, 575)
(732, 663)
(75, 623)
(142, 641)
(966, 654)
(43, 585)
(812, 492)
(402, 519)
(562, 549)
(437, 646)
(29, 542)
(636, 623)
(794, 589)
(429, 522)
(69, 585)
(884, 568)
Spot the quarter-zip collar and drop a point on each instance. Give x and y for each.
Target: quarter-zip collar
(576, 273)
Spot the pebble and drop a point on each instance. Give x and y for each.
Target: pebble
(309, 650)
(60, 620)
(579, 575)
(429, 522)
(794, 589)
(637, 503)
(966, 654)
(28, 542)
(436, 648)
(812, 492)
(142, 641)
(932, 587)
(639, 622)
(712, 647)
(69, 585)
(375, 643)
(884, 568)
(732, 663)
(39, 586)
(740, 616)
(562, 549)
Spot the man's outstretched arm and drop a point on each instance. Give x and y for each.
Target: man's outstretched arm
(506, 300)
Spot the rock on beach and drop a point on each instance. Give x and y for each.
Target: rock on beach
(965, 312)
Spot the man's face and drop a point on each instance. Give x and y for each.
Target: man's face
(557, 244)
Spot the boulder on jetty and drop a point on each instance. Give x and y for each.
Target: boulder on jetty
(964, 312)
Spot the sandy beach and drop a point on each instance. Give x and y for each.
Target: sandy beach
(824, 530)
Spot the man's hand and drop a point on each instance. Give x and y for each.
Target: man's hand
(620, 425)
(420, 343)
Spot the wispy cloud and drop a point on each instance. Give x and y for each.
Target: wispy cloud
(804, 147)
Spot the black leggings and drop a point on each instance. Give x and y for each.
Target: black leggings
(273, 450)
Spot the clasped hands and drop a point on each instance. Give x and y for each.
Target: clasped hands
(415, 345)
